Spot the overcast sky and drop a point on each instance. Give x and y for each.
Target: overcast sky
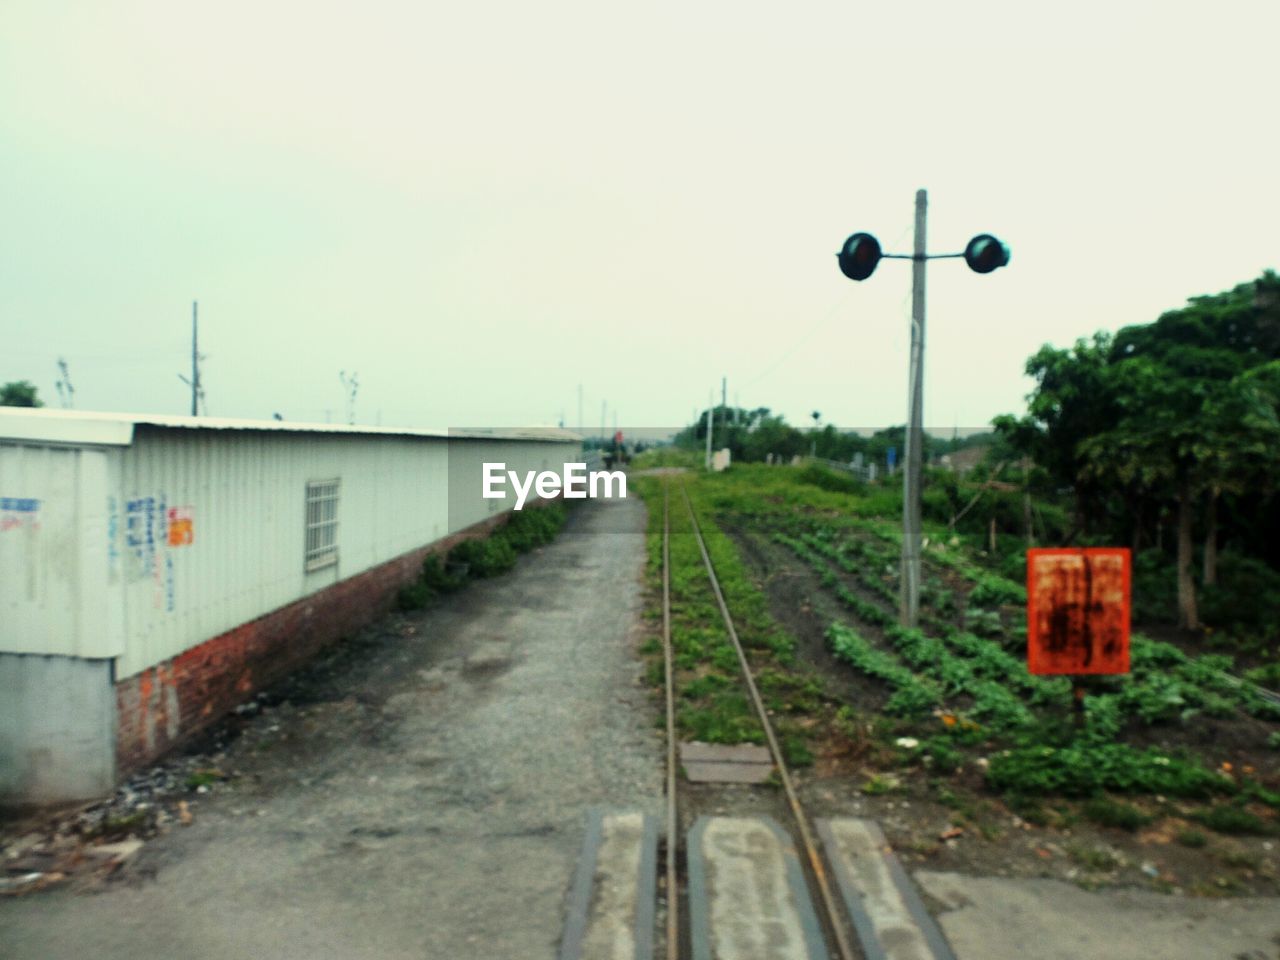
(478, 206)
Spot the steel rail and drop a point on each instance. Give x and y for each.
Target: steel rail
(797, 810)
(673, 825)
(1261, 691)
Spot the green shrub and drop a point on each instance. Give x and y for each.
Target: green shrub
(1245, 598)
(827, 479)
(414, 596)
(944, 756)
(485, 558)
(534, 527)
(985, 623)
(1084, 769)
(995, 591)
(435, 576)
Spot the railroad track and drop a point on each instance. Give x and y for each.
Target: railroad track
(752, 888)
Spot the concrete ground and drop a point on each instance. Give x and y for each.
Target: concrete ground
(991, 918)
(435, 808)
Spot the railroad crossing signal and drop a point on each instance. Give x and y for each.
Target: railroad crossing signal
(985, 253)
(859, 256)
(858, 259)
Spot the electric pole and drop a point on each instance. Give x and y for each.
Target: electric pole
(66, 392)
(909, 607)
(710, 409)
(724, 403)
(351, 385)
(579, 423)
(858, 259)
(195, 357)
(197, 391)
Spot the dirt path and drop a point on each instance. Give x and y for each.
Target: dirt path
(426, 800)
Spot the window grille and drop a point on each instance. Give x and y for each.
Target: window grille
(322, 524)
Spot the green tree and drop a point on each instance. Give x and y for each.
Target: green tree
(19, 393)
(1181, 412)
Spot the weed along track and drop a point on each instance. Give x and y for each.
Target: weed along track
(817, 871)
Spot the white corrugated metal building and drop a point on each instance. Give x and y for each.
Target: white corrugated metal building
(127, 540)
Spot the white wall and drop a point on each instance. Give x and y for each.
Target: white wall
(91, 572)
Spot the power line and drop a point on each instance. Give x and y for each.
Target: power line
(804, 338)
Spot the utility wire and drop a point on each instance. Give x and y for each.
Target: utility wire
(817, 327)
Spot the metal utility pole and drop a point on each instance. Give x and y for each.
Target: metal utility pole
(724, 402)
(351, 385)
(710, 423)
(195, 357)
(197, 391)
(858, 258)
(603, 405)
(579, 423)
(909, 607)
(66, 392)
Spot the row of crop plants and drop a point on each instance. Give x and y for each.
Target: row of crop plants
(967, 692)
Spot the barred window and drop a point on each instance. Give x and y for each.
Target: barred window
(322, 524)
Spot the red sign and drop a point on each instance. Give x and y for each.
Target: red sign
(1078, 610)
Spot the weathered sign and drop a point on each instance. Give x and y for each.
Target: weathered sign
(1078, 610)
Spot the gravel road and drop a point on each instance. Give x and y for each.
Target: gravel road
(425, 798)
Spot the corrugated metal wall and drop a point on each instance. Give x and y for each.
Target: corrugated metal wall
(143, 551)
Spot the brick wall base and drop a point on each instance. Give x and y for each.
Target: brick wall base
(164, 705)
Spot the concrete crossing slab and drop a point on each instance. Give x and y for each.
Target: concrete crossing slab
(725, 763)
(747, 895)
(611, 906)
(885, 908)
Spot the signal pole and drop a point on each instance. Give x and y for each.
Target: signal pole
(909, 607)
(710, 425)
(858, 258)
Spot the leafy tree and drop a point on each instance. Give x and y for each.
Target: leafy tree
(19, 393)
(1181, 412)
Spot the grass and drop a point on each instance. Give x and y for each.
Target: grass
(1231, 819)
(1096, 859)
(1193, 839)
(1110, 813)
